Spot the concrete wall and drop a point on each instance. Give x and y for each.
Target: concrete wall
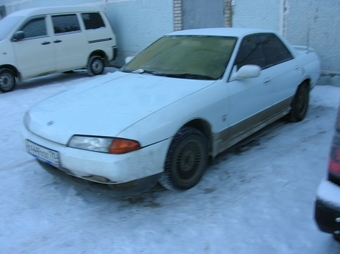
(309, 22)
(256, 14)
(319, 28)
(137, 23)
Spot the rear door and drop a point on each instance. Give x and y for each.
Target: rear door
(99, 33)
(285, 71)
(34, 54)
(69, 41)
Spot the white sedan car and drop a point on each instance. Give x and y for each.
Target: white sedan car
(180, 102)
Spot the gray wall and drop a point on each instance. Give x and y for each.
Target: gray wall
(202, 14)
(306, 22)
(138, 23)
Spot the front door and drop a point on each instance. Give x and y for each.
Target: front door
(34, 54)
(249, 99)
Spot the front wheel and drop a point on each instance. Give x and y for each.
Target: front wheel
(299, 104)
(7, 80)
(96, 65)
(336, 237)
(186, 160)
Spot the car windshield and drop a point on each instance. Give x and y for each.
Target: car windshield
(7, 24)
(192, 57)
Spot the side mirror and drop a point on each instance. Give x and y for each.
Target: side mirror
(128, 59)
(246, 71)
(18, 36)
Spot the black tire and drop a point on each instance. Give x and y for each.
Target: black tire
(186, 160)
(7, 80)
(336, 237)
(299, 104)
(96, 65)
(69, 72)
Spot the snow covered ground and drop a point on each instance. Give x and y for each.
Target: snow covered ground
(257, 199)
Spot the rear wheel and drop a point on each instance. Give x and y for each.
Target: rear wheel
(299, 104)
(7, 80)
(96, 65)
(186, 160)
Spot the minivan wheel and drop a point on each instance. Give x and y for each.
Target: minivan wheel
(7, 80)
(186, 160)
(95, 65)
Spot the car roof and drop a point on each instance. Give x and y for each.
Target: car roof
(56, 9)
(234, 32)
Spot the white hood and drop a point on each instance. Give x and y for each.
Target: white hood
(106, 106)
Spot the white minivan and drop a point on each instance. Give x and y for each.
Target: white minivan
(40, 41)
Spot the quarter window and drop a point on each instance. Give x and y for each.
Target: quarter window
(65, 23)
(34, 28)
(92, 20)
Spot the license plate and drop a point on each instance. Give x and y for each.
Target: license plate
(42, 153)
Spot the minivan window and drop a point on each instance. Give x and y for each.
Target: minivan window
(92, 20)
(34, 28)
(7, 24)
(65, 23)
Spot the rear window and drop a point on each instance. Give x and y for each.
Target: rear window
(274, 50)
(92, 20)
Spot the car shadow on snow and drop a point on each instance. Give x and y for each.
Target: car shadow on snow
(56, 78)
(253, 140)
(129, 189)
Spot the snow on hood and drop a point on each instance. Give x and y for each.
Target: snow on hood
(108, 105)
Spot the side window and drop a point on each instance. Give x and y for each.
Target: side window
(35, 28)
(250, 52)
(65, 23)
(274, 50)
(92, 20)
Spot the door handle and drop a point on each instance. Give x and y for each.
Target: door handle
(266, 81)
(45, 43)
(57, 41)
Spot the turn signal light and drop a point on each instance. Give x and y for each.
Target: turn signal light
(334, 160)
(120, 146)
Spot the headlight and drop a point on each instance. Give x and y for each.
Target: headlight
(104, 144)
(91, 143)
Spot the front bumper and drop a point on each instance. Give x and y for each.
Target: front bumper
(127, 188)
(327, 207)
(107, 168)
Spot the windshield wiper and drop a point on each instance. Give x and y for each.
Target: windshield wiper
(188, 76)
(173, 75)
(141, 71)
